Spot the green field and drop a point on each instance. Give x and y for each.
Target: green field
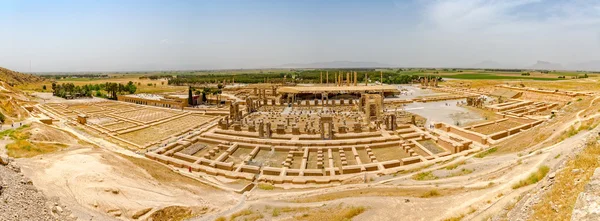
(497, 77)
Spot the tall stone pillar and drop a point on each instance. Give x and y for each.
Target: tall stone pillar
(367, 119)
(348, 79)
(327, 77)
(261, 129)
(336, 79)
(321, 77)
(322, 127)
(330, 129)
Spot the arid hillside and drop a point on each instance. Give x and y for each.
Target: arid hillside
(15, 78)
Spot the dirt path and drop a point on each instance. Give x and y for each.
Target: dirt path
(579, 119)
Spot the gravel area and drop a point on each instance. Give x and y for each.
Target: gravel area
(20, 200)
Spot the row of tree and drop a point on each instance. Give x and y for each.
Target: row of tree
(66, 76)
(299, 76)
(69, 90)
(156, 77)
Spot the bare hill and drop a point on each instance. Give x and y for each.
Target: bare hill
(15, 78)
(337, 64)
(544, 65)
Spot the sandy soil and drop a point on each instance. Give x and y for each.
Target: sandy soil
(95, 181)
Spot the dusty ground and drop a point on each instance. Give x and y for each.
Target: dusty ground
(96, 183)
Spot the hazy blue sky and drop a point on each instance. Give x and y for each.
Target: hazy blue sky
(149, 35)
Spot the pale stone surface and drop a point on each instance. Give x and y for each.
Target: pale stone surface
(587, 206)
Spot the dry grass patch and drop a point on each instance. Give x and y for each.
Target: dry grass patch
(462, 172)
(455, 165)
(381, 192)
(172, 213)
(431, 193)
(565, 190)
(265, 186)
(26, 149)
(338, 213)
(424, 176)
(486, 152)
(22, 147)
(533, 177)
(246, 215)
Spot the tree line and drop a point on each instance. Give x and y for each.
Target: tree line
(69, 90)
(299, 76)
(63, 76)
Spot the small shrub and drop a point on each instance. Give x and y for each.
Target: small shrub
(487, 152)
(265, 186)
(354, 211)
(431, 193)
(240, 213)
(424, 176)
(454, 166)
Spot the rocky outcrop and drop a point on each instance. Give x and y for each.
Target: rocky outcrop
(587, 206)
(20, 200)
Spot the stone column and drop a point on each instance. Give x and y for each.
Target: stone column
(261, 129)
(330, 130)
(348, 79)
(321, 77)
(336, 79)
(321, 126)
(268, 129)
(367, 111)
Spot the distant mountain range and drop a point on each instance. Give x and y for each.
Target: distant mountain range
(586, 66)
(337, 64)
(487, 64)
(542, 65)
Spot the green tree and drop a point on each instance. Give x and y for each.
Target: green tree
(2, 118)
(190, 99)
(44, 87)
(130, 87)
